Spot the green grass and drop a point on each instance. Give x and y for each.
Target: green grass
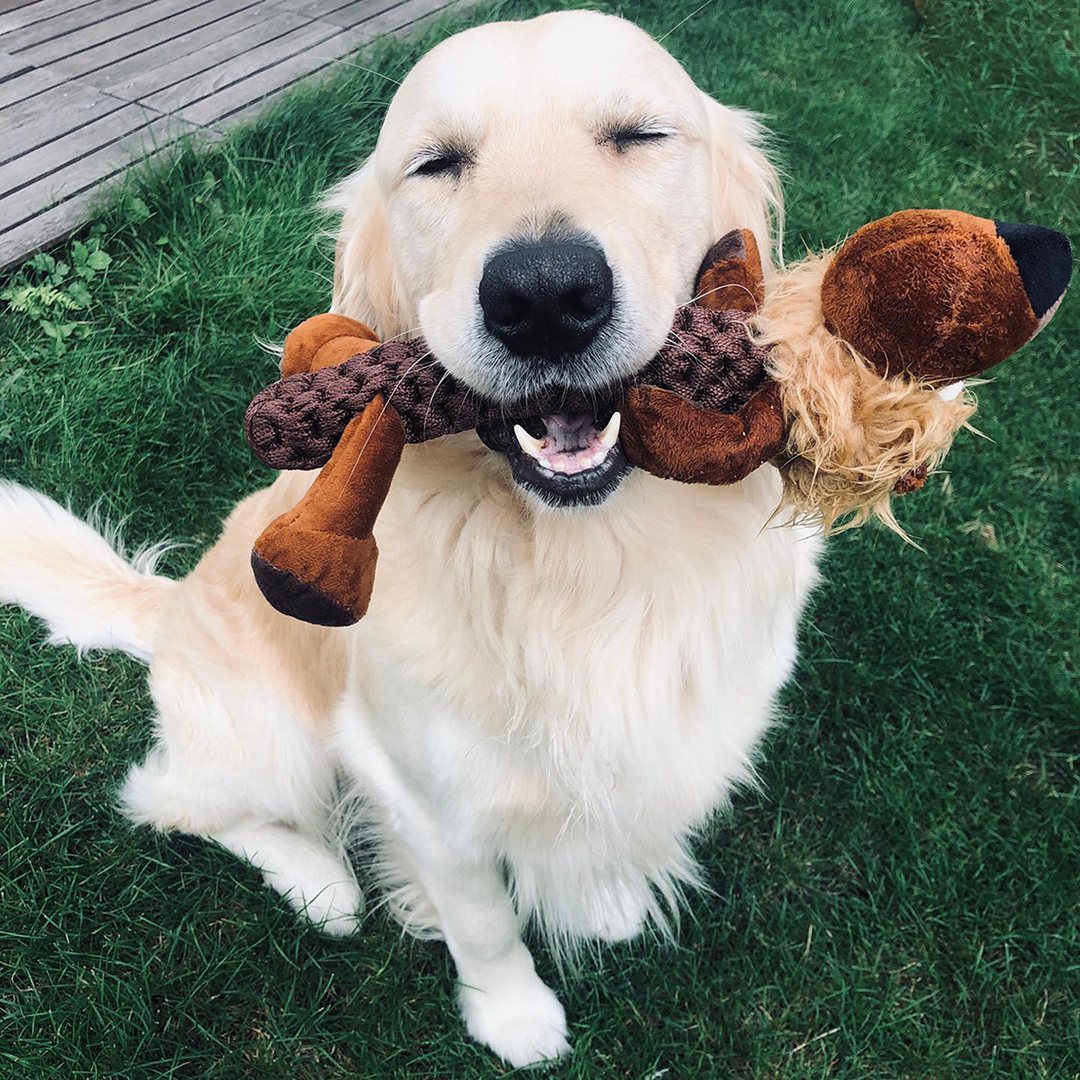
(900, 900)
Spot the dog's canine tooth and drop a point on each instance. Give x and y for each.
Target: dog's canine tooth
(610, 434)
(532, 446)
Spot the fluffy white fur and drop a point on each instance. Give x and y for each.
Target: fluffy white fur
(540, 707)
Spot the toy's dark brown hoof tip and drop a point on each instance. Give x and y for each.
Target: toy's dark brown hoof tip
(295, 598)
(1044, 259)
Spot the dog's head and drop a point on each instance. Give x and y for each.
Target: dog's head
(537, 206)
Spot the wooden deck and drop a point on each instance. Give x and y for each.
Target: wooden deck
(87, 87)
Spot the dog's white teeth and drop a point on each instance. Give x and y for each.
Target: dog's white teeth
(609, 436)
(527, 442)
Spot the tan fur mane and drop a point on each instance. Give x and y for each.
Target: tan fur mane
(853, 434)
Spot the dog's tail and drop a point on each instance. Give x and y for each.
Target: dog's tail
(67, 572)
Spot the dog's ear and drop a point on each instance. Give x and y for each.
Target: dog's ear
(366, 284)
(746, 189)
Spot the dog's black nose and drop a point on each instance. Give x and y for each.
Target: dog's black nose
(546, 298)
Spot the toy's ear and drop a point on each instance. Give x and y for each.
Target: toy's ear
(941, 294)
(731, 274)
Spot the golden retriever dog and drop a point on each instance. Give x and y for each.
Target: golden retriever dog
(567, 663)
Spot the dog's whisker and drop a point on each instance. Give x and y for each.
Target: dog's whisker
(386, 404)
(696, 11)
(719, 288)
(431, 400)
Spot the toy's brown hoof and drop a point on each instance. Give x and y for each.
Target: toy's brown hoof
(315, 576)
(295, 598)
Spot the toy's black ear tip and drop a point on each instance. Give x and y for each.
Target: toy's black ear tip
(1044, 259)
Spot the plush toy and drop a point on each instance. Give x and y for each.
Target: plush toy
(847, 376)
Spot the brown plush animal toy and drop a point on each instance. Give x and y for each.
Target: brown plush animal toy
(843, 377)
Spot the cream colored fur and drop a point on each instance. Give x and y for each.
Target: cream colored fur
(540, 707)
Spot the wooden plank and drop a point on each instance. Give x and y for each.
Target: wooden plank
(404, 14)
(250, 65)
(240, 101)
(135, 77)
(158, 21)
(319, 9)
(26, 85)
(32, 13)
(20, 207)
(46, 228)
(251, 111)
(10, 67)
(263, 83)
(47, 159)
(74, 166)
(91, 22)
(209, 12)
(11, 5)
(38, 120)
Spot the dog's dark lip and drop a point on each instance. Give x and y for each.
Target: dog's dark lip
(590, 487)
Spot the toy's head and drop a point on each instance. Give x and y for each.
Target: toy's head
(870, 348)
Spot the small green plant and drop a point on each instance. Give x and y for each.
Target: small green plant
(51, 292)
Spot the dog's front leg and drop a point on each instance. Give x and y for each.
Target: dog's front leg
(505, 1003)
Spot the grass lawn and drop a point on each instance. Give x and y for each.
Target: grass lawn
(902, 897)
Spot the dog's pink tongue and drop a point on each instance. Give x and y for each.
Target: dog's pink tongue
(569, 431)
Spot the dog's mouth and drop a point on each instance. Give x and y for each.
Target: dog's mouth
(566, 459)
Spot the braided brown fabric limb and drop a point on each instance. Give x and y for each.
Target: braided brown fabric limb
(295, 423)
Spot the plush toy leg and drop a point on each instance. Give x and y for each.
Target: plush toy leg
(316, 562)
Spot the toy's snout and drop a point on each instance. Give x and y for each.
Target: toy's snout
(1043, 258)
(942, 294)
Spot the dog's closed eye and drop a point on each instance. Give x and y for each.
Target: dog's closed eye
(625, 137)
(440, 161)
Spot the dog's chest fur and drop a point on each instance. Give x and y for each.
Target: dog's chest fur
(574, 692)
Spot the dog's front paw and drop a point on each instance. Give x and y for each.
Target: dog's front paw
(519, 1018)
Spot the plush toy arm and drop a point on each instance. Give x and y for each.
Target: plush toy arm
(674, 438)
(316, 562)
